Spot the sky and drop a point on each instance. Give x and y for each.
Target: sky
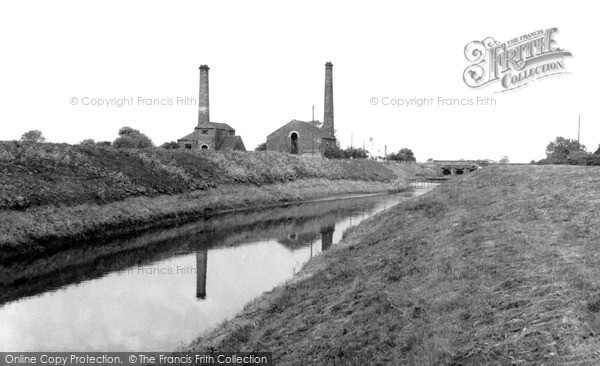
(267, 60)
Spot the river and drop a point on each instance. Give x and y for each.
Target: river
(160, 290)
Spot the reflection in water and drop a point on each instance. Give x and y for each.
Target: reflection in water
(155, 290)
(327, 237)
(201, 260)
(294, 240)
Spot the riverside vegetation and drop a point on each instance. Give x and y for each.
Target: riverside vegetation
(53, 196)
(498, 266)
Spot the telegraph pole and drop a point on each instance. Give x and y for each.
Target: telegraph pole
(578, 128)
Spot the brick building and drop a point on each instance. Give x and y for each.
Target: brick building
(298, 137)
(207, 134)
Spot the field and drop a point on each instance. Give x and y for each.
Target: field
(499, 266)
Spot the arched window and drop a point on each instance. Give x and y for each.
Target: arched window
(204, 147)
(294, 142)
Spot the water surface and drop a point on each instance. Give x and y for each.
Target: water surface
(161, 289)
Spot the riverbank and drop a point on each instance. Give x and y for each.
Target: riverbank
(89, 262)
(43, 231)
(54, 197)
(498, 266)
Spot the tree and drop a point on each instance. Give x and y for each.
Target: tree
(355, 153)
(261, 147)
(504, 160)
(403, 155)
(132, 138)
(87, 142)
(172, 145)
(559, 150)
(33, 136)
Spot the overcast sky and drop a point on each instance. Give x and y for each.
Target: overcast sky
(267, 61)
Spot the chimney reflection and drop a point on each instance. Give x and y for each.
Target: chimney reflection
(201, 261)
(327, 237)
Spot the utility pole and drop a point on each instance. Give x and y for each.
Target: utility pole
(352, 140)
(313, 113)
(578, 128)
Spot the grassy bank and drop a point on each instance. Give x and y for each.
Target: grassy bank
(68, 175)
(56, 196)
(495, 267)
(46, 230)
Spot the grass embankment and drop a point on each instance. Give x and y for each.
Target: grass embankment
(499, 266)
(54, 195)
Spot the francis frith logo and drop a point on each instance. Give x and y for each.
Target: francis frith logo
(514, 63)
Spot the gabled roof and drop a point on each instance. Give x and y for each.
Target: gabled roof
(188, 137)
(231, 142)
(207, 125)
(217, 125)
(307, 125)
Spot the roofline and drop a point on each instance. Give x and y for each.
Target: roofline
(295, 120)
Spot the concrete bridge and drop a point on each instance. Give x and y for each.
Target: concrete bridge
(456, 167)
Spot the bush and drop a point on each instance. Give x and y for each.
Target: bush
(33, 136)
(403, 155)
(583, 158)
(336, 152)
(132, 139)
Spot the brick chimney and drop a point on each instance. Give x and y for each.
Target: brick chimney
(328, 106)
(203, 107)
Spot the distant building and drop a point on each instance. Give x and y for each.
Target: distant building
(298, 137)
(210, 135)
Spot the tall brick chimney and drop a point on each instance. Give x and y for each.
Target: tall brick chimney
(328, 105)
(203, 107)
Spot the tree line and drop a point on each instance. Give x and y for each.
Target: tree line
(568, 151)
(127, 138)
(134, 139)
